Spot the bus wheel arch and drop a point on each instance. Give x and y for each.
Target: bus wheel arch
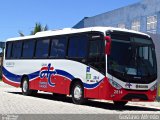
(72, 83)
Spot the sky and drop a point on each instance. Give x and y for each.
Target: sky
(21, 15)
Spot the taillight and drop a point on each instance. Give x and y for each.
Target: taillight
(108, 45)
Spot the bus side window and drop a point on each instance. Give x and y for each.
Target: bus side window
(8, 49)
(16, 49)
(96, 48)
(78, 46)
(97, 54)
(28, 49)
(58, 47)
(42, 48)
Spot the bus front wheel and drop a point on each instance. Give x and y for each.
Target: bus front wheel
(78, 93)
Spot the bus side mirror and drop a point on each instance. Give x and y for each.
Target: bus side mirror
(108, 45)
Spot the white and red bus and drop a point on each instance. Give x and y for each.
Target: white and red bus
(90, 63)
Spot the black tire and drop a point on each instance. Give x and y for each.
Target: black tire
(120, 103)
(59, 96)
(25, 87)
(75, 98)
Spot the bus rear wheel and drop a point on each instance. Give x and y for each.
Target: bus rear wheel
(120, 103)
(78, 93)
(25, 87)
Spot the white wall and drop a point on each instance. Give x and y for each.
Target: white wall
(156, 39)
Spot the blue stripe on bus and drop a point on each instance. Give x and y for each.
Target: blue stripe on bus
(91, 86)
(64, 73)
(11, 76)
(34, 75)
(17, 78)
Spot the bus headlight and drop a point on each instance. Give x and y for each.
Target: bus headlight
(154, 87)
(115, 84)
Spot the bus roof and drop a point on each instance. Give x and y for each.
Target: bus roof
(72, 31)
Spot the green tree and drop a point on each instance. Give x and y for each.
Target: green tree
(38, 28)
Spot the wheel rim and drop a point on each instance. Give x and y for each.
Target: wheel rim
(77, 92)
(25, 86)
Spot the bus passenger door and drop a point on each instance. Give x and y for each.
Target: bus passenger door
(96, 60)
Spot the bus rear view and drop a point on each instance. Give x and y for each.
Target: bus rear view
(132, 68)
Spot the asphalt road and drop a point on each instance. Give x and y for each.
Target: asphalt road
(13, 102)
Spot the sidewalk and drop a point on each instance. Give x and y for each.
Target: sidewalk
(146, 104)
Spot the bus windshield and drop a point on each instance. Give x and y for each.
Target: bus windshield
(132, 56)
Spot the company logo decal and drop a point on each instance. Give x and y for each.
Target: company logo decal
(128, 85)
(48, 72)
